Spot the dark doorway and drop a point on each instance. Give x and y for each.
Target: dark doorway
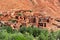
(33, 20)
(20, 25)
(44, 24)
(40, 24)
(47, 20)
(16, 17)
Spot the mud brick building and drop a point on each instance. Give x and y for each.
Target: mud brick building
(39, 13)
(19, 18)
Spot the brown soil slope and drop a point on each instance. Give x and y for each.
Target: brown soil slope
(46, 6)
(15, 4)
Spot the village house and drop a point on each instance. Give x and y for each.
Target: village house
(26, 18)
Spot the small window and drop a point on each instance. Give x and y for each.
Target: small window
(16, 17)
(14, 26)
(34, 20)
(21, 18)
(44, 24)
(24, 18)
(6, 15)
(48, 20)
(20, 25)
(41, 24)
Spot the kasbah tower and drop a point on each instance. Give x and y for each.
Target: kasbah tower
(39, 13)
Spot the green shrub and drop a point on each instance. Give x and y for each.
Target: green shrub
(23, 29)
(3, 34)
(29, 37)
(36, 31)
(45, 32)
(58, 35)
(17, 36)
(43, 35)
(28, 33)
(30, 30)
(52, 35)
(8, 29)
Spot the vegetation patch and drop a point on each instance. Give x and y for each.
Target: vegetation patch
(27, 33)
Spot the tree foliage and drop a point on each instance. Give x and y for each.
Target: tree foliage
(28, 33)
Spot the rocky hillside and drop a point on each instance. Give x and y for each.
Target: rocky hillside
(49, 8)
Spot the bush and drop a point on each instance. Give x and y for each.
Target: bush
(58, 35)
(52, 35)
(8, 29)
(28, 33)
(36, 31)
(31, 30)
(3, 34)
(23, 29)
(43, 35)
(17, 36)
(29, 37)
